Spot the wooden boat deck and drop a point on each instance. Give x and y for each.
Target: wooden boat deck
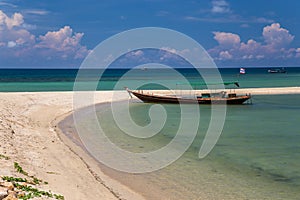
(205, 98)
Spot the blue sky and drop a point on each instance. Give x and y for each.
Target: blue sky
(60, 33)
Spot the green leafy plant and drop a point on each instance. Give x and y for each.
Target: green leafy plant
(20, 169)
(29, 191)
(4, 157)
(13, 179)
(36, 180)
(34, 192)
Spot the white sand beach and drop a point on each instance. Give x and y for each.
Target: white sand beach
(29, 136)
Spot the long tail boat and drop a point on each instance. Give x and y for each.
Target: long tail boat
(205, 98)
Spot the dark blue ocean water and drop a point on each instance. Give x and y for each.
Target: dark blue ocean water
(17, 80)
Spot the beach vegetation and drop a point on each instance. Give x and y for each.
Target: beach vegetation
(4, 157)
(32, 192)
(20, 169)
(14, 179)
(29, 192)
(35, 180)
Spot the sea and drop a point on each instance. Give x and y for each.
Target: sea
(257, 155)
(34, 80)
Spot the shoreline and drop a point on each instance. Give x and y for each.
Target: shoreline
(30, 135)
(121, 192)
(137, 182)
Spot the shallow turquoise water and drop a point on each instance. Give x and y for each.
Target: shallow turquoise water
(259, 150)
(264, 136)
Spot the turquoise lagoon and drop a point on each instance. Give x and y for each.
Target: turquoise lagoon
(256, 157)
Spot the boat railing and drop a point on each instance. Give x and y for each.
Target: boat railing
(232, 95)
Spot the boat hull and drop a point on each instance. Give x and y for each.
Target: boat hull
(272, 71)
(148, 98)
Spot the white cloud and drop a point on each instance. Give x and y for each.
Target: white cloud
(227, 40)
(250, 47)
(11, 29)
(276, 41)
(297, 53)
(276, 36)
(220, 6)
(137, 53)
(59, 40)
(7, 4)
(191, 18)
(11, 44)
(63, 41)
(36, 12)
(168, 53)
(232, 18)
(263, 20)
(175, 51)
(28, 26)
(10, 22)
(225, 55)
(258, 57)
(15, 36)
(221, 12)
(163, 55)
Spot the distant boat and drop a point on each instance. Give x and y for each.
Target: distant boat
(205, 98)
(242, 70)
(282, 70)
